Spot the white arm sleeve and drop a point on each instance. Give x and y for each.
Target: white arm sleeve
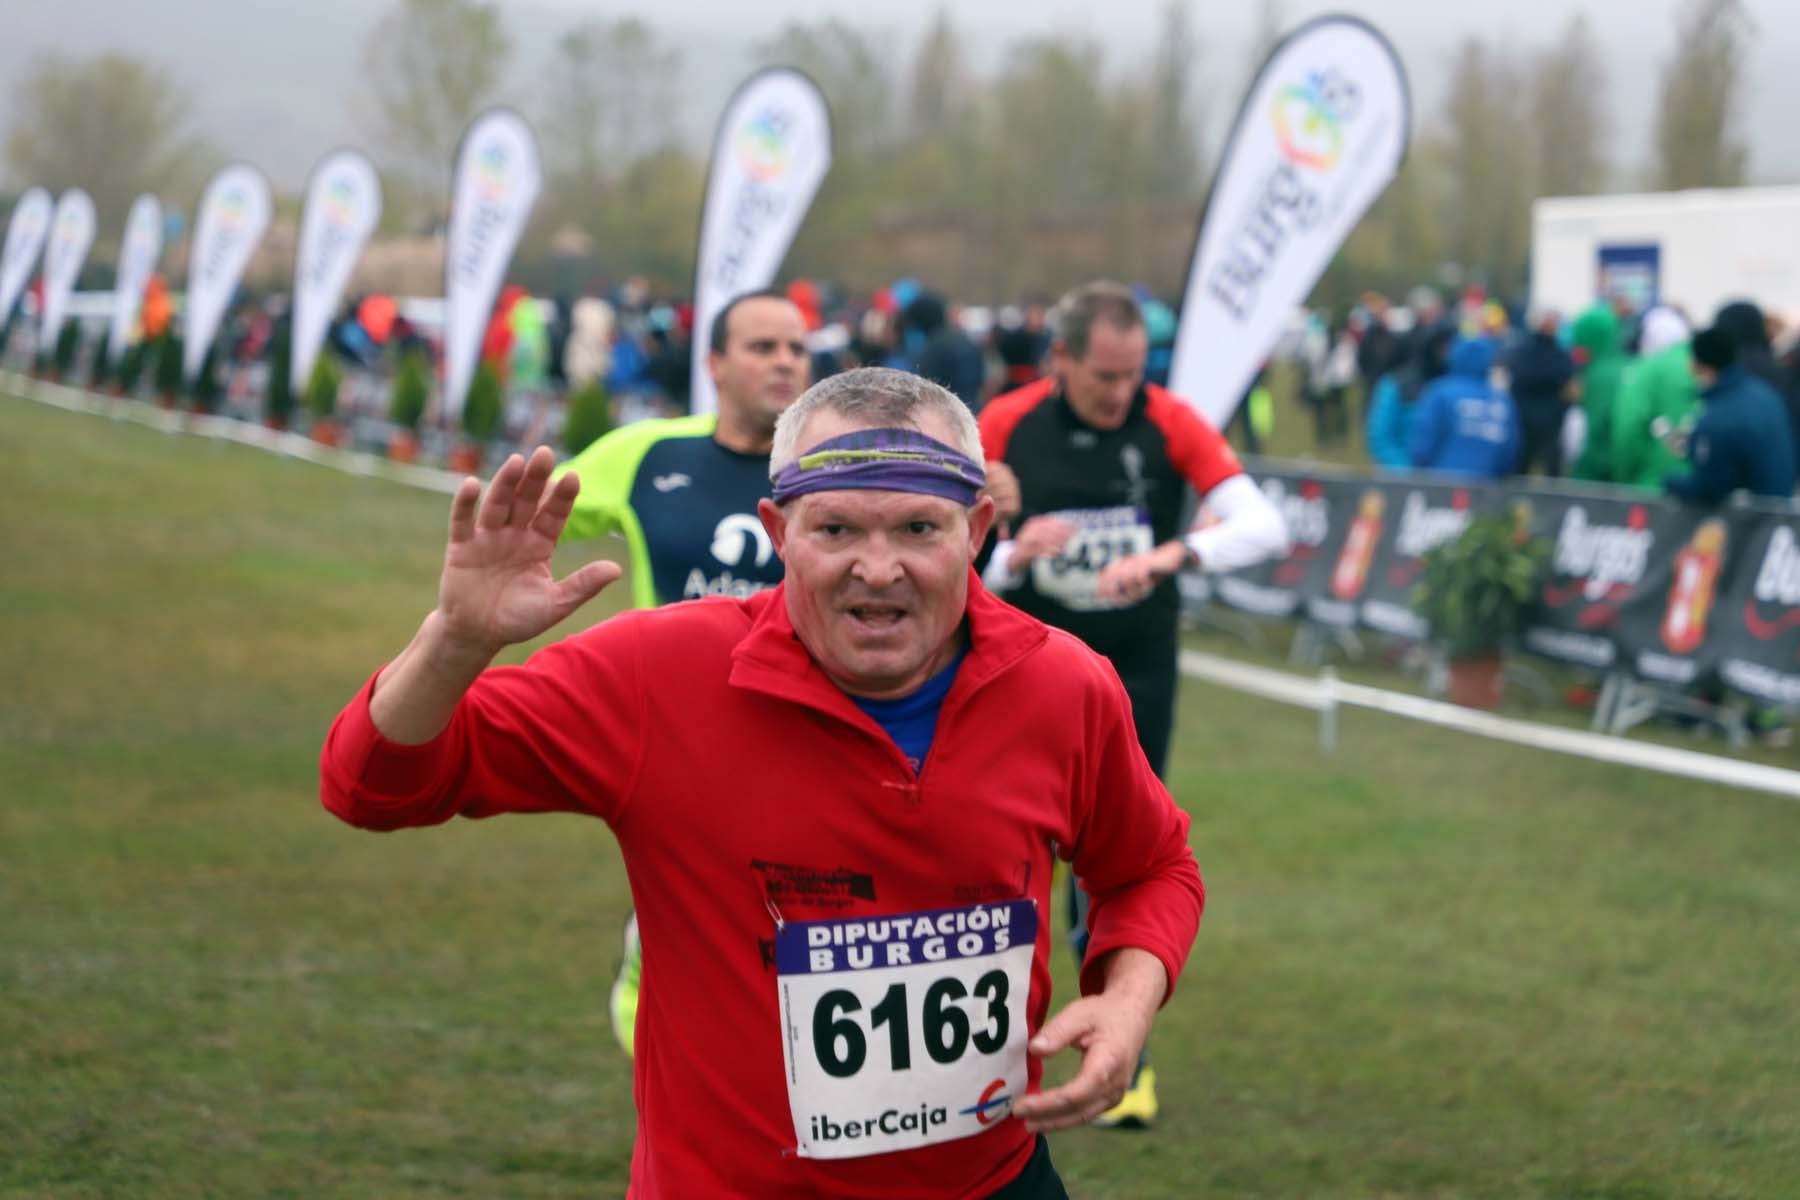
(1249, 529)
(999, 577)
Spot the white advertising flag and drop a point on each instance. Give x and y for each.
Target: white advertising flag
(771, 152)
(343, 203)
(491, 196)
(138, 252)
(1321, 133)
(234, 213)
(25, 235)
(71, 233)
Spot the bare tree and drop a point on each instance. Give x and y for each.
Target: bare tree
(610, 98)
(1696, 114)
(1568, 110)
(1487, 154)
(844, 61)
(940, 81)
(1174, 139)
(111, 124)
(429, 67)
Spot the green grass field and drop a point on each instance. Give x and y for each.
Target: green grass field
(1431, 966)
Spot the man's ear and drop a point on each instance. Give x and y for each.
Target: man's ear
(981, 519)
(775, 522)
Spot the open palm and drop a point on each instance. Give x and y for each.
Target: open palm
(497, 588)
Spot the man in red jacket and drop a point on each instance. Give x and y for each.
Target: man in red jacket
(837, 802)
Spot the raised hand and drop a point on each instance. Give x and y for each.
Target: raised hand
(497, 588)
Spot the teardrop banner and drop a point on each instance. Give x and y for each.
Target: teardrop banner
(771, 153)
(26, 232)
(234, 214)
(1320, 135)
(498, 175)
(343, 204)
(71, 234)
(138, 252)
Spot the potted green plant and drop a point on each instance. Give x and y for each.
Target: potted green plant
(1475, 593)
(590, 417)
(321, 401)
(128, 368)
(206, 392)
(406, 405)
(62, 354)
(168, 369)
(278, 399)
(480, 419)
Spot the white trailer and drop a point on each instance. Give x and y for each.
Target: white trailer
(1695, 249)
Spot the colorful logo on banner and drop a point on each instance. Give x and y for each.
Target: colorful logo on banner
(69, 224)
(32, 222)
(1601, 563)
(339, 200)
(1777, 585)
(1308, 517)
(493, 175)
(234, 212)
(1310, 117)
(764, 150)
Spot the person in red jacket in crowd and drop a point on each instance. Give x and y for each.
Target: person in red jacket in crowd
(837, 801)
(1093, 467)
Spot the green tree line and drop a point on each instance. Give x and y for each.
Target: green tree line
(1059, 164)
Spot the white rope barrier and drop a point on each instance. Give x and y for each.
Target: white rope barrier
(1324, 694)
(228, 429)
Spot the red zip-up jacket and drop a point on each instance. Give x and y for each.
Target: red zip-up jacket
(743, 786)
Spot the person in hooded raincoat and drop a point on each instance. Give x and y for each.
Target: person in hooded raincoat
(1595, 335)
(1658, 404)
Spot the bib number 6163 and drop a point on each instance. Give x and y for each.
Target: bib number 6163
(842, 1047)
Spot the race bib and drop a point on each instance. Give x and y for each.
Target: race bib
(1102, 536)
(904, 1031)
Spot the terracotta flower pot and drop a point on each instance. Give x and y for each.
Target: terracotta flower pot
(403, 446)
(327, 432)
(465, 458)
(1475, 682)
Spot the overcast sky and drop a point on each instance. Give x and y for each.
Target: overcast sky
(271, 81)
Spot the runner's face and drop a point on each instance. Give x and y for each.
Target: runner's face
(877, 581)
(764, 366)
(1102, 382)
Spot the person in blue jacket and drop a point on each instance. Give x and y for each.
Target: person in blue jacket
(1463, 424)
(1743, 438)
(1388, 427)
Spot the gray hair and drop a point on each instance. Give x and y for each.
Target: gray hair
(879, 398)
(1076, 313)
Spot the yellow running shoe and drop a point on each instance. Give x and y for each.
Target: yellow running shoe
(625, 989)
(1138, 1109)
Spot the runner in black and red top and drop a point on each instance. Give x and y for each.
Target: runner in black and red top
(1103, 463)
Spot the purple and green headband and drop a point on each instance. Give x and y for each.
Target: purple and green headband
(889, 460)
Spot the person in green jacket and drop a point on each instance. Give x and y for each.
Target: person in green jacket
(1657, 406)
(1595, 335)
